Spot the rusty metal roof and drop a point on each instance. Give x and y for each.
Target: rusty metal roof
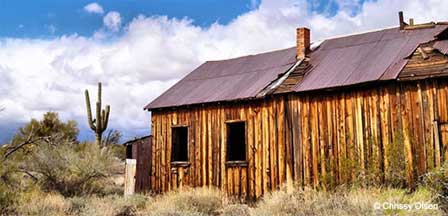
(232, 79)
(442, 46)
(362, 58)
(138, 139)
(344, 61)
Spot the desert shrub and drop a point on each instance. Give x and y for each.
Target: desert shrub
(8, 200)
(396, 173)
(112, 137)
(118, 151)
(394, 195)
(198, 201)
(49, 125)
(436, 181)
(60, 167)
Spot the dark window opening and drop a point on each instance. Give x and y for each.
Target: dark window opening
(179, 140)
(236, 141)
(129, 151)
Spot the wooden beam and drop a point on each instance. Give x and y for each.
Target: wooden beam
(424, 55)
(234, 121)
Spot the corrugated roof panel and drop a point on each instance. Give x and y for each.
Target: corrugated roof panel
(343, 61)
(363, 58)
(442, 46)
(226, 80)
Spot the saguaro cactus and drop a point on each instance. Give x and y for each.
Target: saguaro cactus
(99, 124)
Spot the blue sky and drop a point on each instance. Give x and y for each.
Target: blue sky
(27, 18)
(51, 51)
(49, 18)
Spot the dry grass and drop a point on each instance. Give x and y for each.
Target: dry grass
(206, 201)
(38, 203)
(343, 202)
(200, 201)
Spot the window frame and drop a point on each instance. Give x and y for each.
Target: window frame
(236, 162)
(177, 162)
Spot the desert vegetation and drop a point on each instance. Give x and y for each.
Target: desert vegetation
(46, 163)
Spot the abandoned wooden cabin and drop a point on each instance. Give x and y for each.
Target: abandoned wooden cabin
(368, 105)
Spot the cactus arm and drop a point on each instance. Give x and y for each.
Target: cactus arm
(105, 117)
(89, 111)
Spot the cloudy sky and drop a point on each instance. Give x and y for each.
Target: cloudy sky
(50, 51)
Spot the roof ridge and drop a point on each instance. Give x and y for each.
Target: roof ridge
(251, 55)
(378, 30)
(360, 33)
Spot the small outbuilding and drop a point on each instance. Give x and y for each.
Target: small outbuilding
(139, 149)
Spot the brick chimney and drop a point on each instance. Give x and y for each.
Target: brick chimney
(303, 42)
(401, 20)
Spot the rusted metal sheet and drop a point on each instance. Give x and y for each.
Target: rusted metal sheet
(226, 80)
(338, 62)
(442, 46)
(363, 58)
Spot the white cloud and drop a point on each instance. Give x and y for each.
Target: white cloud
(154, 52)
(112, 21)
(94, 8)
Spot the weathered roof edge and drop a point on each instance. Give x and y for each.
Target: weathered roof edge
(137, 139)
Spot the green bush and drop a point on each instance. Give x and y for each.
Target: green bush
(70, 171)
(396, 173)
(437, 182)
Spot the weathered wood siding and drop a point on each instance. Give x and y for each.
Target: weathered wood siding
(345, 135)
(267, 150)
(319, 139)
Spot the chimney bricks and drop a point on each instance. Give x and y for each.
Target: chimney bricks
(303, 42)
(401, 20)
